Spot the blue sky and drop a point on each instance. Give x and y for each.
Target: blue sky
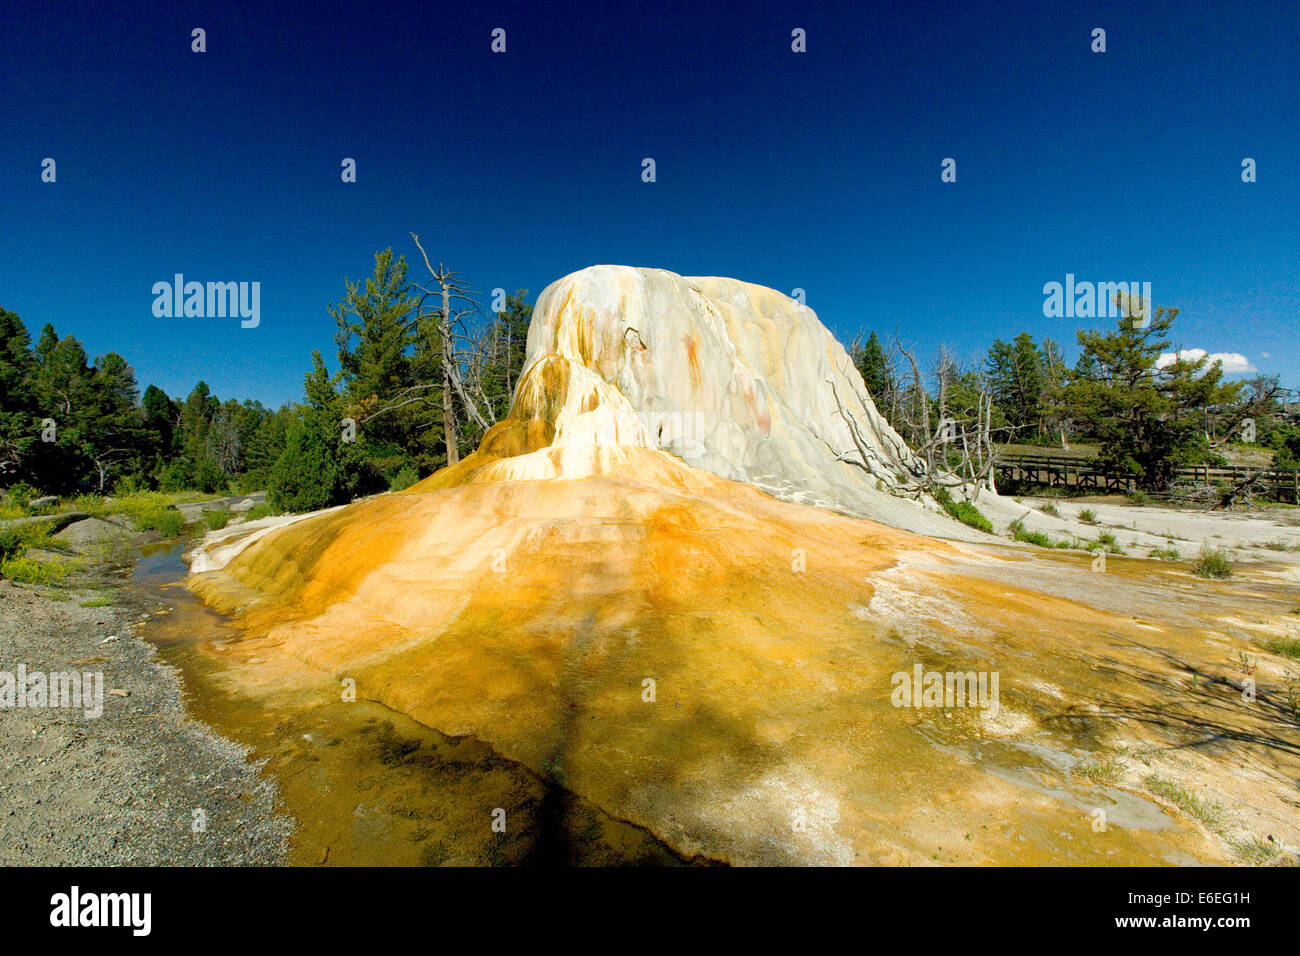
(818, 170)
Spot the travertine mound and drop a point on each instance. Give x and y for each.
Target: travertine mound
(730, 377)
(589, 594)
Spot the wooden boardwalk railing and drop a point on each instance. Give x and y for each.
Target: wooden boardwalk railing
(1058, 471)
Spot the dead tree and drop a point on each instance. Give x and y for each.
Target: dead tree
(923, 466)
(457, 303)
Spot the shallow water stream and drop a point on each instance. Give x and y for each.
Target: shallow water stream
(367, 785)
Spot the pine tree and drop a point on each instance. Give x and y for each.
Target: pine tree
(318, 467)
(872, 364)
(1144, 412)
(17, 431)
(1017, 379)
(505, 347)
(376, 335)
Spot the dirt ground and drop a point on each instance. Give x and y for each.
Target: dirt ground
(140, 784)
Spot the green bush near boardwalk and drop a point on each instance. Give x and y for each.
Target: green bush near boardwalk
(963, 511)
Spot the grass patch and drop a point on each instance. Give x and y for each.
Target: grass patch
(216, 520)
(99, 600)
(16, 539)
(27, 570)
(1018, 532)
(263, 510)
(1281, 646)
(963, 511)
(1087, 516)
(1206, 812)
(1105, 770)
(1254, 851)
(1165, 554)
(1212, 563)
(166, 521)
(1108, 541)
(1050, 509)
(16, 565)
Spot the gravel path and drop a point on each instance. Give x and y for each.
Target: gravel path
(121, 788)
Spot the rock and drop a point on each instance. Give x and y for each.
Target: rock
(47, 502)
(242, 507)
(57, 522)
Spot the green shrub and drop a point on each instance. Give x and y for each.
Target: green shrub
(316, 469)
(216, 520)
(21, 495)
(30, 571)
(1138, 497)
(263, 510)
(405, 477)
(963, 511)
(1212, 563)
(16, 539)
(166, 520)
(93, 505)
(1018, 532)
(128, 485)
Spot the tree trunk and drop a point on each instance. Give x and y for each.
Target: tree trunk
(448, 415)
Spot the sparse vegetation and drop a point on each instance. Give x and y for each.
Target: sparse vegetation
(1104, 770)
(1212, 563)
(1019, 533)
(216, 520)
(1087, 516)
(1206, 812)
(1253, 851)
(17, 564)
(263, 510)
(963, 511)
(1169, 553)
(1050, 509)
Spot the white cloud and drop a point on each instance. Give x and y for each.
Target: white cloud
(1233, 362)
